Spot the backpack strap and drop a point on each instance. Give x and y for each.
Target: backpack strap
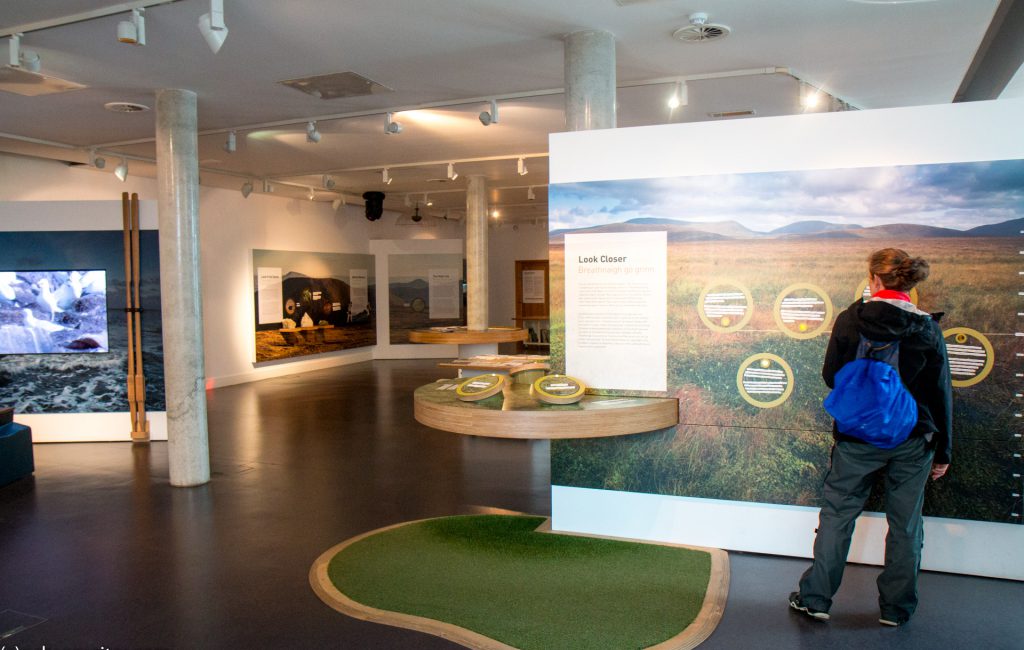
(884, 351)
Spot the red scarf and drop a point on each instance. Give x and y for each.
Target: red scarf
(889, 294)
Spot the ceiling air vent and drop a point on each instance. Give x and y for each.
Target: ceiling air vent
(125, 107)
(338, 84)
(700, 30)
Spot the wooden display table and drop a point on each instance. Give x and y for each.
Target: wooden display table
(505, 364)
(470, 342)
(517, 415)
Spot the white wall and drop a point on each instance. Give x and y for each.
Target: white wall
(231, 226)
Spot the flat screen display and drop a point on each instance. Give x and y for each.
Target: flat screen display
(53, 312)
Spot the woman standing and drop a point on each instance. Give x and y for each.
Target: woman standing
(924, 369)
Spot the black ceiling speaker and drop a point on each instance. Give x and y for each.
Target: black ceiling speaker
(374, 205)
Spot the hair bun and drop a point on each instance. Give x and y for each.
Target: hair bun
(912, 270)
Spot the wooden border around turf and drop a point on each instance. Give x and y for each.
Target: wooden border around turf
(694, 634)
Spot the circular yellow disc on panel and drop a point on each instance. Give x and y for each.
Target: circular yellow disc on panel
(725, 306)
(969, 361)
(765, 380)
(803, 311)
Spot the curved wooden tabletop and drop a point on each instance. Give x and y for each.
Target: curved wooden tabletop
(464, 336)
(514, 414)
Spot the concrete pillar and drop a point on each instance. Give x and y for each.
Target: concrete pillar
(476, 254)
(589, 80)
(177, 173)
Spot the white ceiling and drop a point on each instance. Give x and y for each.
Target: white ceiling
(869, 53)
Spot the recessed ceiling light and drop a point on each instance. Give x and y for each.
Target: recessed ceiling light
(125, 107)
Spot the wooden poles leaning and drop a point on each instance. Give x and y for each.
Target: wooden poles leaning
(133, 311)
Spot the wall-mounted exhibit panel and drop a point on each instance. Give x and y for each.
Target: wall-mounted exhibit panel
(310, 303)
(63, 326)
(424, 290)
(765, 238)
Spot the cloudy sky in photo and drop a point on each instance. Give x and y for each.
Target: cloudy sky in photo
(956, 195)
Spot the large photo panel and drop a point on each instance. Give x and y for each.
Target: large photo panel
(761, 256)
(309, 303)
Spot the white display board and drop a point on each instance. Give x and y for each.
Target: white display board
(615, 313)
(980, 131)
(443, 291)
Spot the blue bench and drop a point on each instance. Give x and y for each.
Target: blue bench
(16, 460)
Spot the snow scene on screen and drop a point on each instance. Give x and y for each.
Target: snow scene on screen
(45, 312)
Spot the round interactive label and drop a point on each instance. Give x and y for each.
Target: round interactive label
(725, 306)
(480, 387)
(765, 380)
(558, 389)
(864, 292)
(970, 355)
(803, 311)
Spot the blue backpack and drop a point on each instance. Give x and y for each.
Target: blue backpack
(869, 400)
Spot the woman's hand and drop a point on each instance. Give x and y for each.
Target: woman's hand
(939, 470)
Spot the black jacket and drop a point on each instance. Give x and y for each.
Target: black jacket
(924, 366)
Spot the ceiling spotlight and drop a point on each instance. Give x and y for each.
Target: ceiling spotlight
(495, 213)
(311, 194)
(30, 60)
(489, 118)
(329, 183)
(390, 126)
(530, 196)
(680, 96)
(133, 31)
(312, 134)
(121, 171)
(385, 176)
(212, 27)
(427, 200)
(521, 167)
(231, 144)
(267, 187)
(337, 203)
(452, 174)
(18, 58)
(810, 97)
(96, 161)
(14, 50)
(246, 189)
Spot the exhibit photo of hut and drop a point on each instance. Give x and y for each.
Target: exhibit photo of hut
(759, 266)
(310, 303)
(425, 290)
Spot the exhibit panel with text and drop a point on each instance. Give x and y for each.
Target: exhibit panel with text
(424, 290)
(309, 303)
(759, 262)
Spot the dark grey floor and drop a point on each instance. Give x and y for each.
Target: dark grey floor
(108, 555)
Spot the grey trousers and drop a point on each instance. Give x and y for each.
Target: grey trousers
(854, 469)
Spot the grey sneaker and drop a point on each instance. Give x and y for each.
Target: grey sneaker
(796, 603)
(892, 621)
